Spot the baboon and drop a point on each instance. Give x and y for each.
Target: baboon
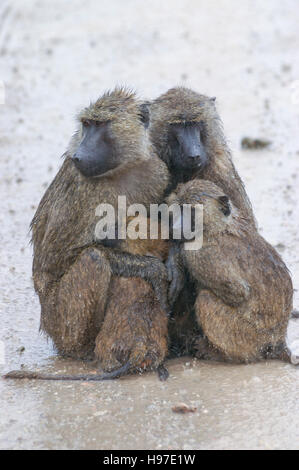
(134, 333)
(244, 290)
(135, 328)
(109, 155)
(187, 134)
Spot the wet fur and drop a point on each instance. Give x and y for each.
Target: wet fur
(71, 271)
(181, 105)
(135, 326)
(245, 292)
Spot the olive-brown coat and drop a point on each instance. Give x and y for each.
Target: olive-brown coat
(71, 272)
(244, 288)
(182, 105)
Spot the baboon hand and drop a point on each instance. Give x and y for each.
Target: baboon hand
(157, 275)
(175, 275)
(148, 268)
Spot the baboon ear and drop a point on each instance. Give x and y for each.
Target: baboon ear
(144, 114)
(224, 205)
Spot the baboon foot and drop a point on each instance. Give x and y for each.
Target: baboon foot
(206, 351)
(295, 314)
(289, 356)
(142, 355)
(294, 358)
(284, 353)
(293, 353)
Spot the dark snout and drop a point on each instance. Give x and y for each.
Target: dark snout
(192, 148)
(191, 144)
(85, 161)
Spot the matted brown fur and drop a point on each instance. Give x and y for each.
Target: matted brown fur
(71, 272)
(135, 326)
(244, 288)
(182, 105)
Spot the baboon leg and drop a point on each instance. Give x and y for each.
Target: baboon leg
(203, 349)
(182, 326)
(134, 329)
(74, 311)
(237, 339)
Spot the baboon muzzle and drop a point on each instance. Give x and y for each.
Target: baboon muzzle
(94, 155)
(191, 147)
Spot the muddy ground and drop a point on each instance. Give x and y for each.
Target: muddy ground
(55, 56)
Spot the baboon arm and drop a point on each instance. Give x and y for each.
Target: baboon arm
(232, 291)
(131, 265)
(221, 277)
(149, 268)
(176, 274)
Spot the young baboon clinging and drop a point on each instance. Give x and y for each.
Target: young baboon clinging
(245, 292)
(108, 156)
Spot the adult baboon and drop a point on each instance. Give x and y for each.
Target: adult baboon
(244, 290)
(108, 156)
(187, 134)
(134, 334)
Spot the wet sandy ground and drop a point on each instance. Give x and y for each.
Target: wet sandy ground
(54, 57)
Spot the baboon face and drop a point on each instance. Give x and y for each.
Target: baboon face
(111, 133)
(180, 128)
(96, 153)
(186, 146)
(217, 207)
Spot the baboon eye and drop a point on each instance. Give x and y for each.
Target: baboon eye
(89, 122)
(224, 205)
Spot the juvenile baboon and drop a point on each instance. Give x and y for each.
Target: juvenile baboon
(108, 156)
(245, 292)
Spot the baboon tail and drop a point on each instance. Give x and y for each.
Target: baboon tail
(114, 374)
(23, 374)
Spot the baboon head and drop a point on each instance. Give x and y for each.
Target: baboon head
(111, 133)
(182, 128)
(217, 207)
